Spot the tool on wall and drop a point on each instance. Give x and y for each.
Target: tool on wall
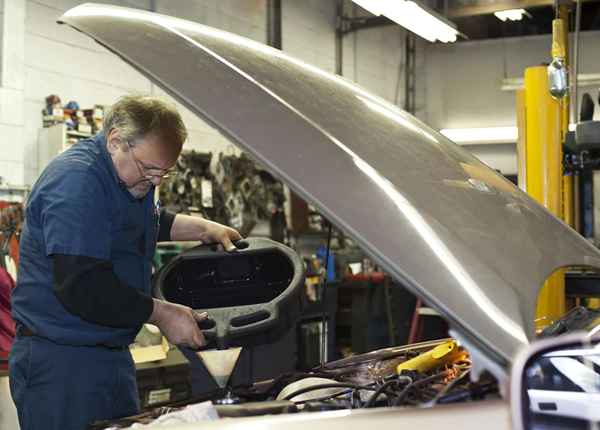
(231, 190)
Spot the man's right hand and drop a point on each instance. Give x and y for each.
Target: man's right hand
(178, 323)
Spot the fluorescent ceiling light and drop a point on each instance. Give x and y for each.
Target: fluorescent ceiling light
(414, 17)
(376, 7)
(484, 135)
(510, 14)
(481, 135)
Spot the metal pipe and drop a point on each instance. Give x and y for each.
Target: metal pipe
(574, 95)
(410, 73)
(274, 24)
(577, 204)
(339, 38)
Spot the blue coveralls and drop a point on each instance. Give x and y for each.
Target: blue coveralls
(74, 372)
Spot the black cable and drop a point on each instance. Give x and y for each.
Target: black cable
(415, 384)
(450, 386)
(332, 396)
(384, 387)
(470, 393)
(275, 386)
(325, 398)
(323, 386)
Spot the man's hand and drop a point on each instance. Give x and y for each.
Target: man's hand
(187, 227)
(219, 233)
(178, 323)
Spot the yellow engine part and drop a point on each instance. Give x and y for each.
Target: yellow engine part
(445, 353)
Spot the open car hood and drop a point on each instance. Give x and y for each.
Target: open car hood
(452, 230)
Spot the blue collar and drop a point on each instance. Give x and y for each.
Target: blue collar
(100, 140)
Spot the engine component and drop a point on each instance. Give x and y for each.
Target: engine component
(578, 318)
(435, 358)
(297, 391)
(362, 381)
(240, 193)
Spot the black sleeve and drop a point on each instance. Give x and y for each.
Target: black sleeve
(165, 222)
(89, 288)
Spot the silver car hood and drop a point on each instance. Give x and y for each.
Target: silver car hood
(452, 230)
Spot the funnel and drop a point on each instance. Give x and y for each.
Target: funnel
(220, 363)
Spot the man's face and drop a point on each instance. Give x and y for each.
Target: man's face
(142, 165)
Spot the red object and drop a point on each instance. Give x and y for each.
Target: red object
(376, 277)
(415, 326)
(7, 324)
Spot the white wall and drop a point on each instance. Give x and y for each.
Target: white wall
(308, 31)
(463, 80)
(12, 25)
(375, 57)
(59, 60)
(463, 84)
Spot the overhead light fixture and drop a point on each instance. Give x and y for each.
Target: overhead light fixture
(511, 14)
(414, 17)
(376, 7)
(485, 135)
(475, 136)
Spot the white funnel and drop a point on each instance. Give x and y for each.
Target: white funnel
(220, 363)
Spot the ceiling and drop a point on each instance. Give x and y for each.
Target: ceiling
(476, 20)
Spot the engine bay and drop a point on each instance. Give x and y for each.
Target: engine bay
(254, 292)
(418, 375)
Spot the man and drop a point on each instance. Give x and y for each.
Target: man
(84, 273)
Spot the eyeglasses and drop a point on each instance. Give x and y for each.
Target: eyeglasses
(150, 173)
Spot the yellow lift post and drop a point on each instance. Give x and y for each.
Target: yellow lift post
(543, 123)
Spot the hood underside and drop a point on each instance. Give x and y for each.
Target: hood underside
(452, 230)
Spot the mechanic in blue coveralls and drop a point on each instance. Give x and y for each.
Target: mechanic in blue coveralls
(83, 290)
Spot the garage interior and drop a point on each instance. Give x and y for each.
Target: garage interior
(498, 79)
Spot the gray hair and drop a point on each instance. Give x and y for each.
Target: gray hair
(136, 116)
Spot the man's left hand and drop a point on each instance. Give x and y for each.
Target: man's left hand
(219, 233)
(186, 227)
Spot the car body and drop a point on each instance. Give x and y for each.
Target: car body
(453, 231)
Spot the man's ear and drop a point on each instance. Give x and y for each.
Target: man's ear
(113, 141)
